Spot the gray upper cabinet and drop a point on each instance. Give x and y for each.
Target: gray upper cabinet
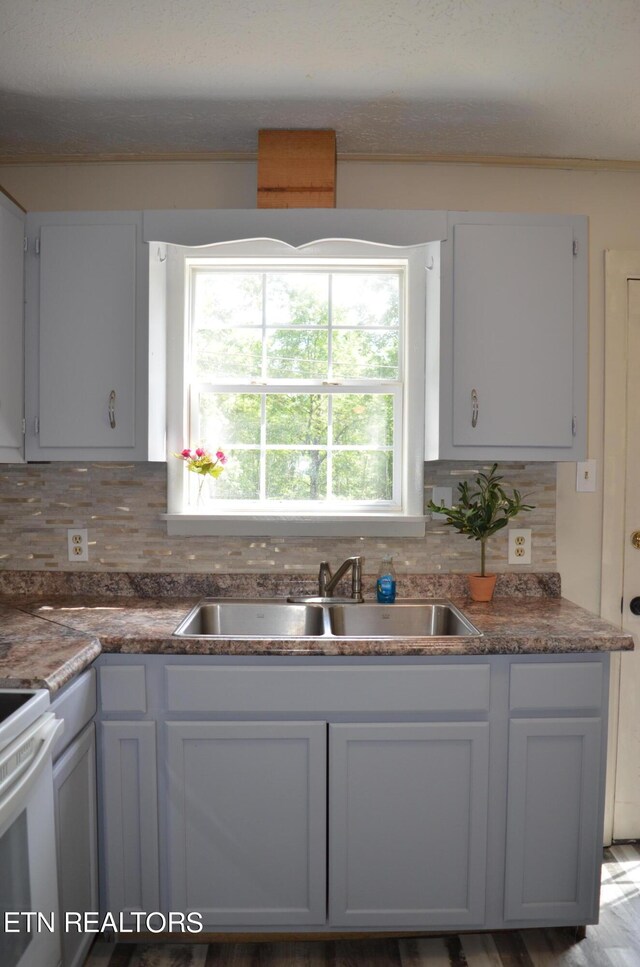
(506, 360)
(12, 229)
(87, 337)
(507, 339)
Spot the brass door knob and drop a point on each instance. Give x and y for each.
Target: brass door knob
(635, 539)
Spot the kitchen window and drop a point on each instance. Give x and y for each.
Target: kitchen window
(306, 367)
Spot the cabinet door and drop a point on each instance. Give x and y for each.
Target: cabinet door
(512, 340)
(87, 337)
(554, 829)
(74, 783)
(513, 335)
(247, 821)
(87, 334)
(408, 824)
(12, 229)
(129, 817)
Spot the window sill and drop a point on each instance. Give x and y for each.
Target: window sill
(299, 525)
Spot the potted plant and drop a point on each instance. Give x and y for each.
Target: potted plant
(479, 513)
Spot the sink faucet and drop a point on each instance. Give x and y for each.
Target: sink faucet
(327, 581)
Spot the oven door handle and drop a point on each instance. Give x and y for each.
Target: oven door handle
(16, 793)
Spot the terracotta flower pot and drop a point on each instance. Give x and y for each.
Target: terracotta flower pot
(482, 588)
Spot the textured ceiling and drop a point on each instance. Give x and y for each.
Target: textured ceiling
(558, 78)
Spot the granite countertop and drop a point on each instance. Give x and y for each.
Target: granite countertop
(48, 639)
(37, 654)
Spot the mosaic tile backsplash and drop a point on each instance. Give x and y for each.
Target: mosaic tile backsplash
(120, 505)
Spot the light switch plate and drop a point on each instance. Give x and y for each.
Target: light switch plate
(443, 497)
(586, 476)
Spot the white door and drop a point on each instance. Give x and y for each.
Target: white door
(626, 816)
(621, 519)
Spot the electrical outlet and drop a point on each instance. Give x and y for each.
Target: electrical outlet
(519, 545)
(586, 476)
(442, 496)
(78, 544)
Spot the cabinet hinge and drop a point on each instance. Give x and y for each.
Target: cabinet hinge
(621, 605)
(25, 244)
(36, 425)
(575, 247)
(24, 427)
(574, 426)
(37, 245)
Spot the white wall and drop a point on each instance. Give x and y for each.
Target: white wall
(611, 199)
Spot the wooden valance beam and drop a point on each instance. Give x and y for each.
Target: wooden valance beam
(296, 169)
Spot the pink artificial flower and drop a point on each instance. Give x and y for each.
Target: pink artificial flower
(221, 457)
(200, 452)
(185, 453)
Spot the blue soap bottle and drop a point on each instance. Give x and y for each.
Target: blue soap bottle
(386, 583)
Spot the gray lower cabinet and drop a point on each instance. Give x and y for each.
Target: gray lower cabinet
(553, 819)
(74, 783)
(129, 817)
(408, 823)
(247, 821)
(319, 794)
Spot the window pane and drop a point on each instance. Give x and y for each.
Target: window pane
(227, 352)
(362, 475)
(297, 474)
(372, 355)
(366, 300)
(228, 418)
(297, 419)
(296, 354)
(227, 299)
(363, 419)
(265, 339)
(241, 477)
(297, 299)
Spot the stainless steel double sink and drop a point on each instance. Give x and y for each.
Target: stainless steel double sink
(275, 618)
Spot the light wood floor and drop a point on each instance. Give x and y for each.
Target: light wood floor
(614, 942)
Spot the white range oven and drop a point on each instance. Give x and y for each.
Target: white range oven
(28, 880)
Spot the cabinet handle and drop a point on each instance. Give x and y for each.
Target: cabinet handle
(112, 409)
(475, 408)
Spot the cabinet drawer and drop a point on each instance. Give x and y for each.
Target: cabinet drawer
(378, 689)
(553, 685)
(76, 706)
(123, 688)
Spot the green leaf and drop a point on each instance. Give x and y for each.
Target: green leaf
(485, 510)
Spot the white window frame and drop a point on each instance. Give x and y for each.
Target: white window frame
(406, 518)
